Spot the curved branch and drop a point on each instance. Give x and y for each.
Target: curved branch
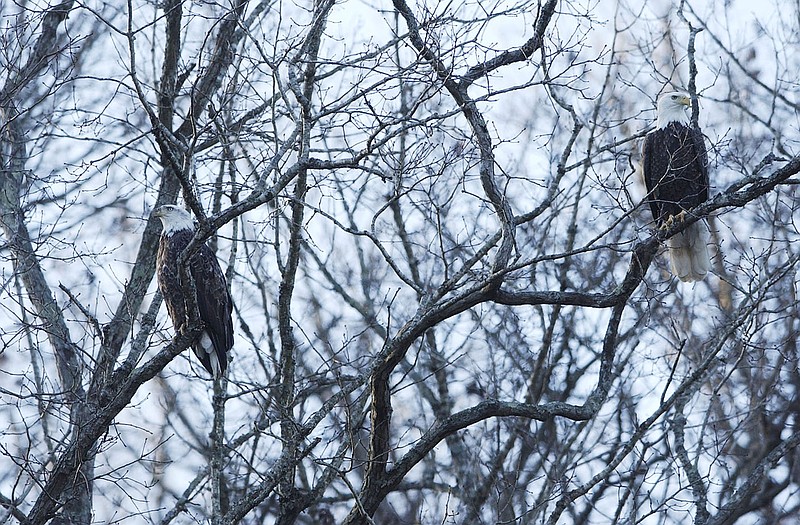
(459, 92)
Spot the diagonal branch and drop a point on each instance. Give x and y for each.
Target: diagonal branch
(43, 51)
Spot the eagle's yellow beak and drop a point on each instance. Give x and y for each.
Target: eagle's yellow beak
(686, 100)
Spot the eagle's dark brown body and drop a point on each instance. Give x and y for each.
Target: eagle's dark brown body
(675, 170)
(213, 300)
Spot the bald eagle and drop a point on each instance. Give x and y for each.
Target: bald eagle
(675, 165)
(213, 299)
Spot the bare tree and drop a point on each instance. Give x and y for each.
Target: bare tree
(450, 304)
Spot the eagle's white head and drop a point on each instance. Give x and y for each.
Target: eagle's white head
(672, 107)
(174, 218)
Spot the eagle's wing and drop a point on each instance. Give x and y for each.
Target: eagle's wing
(213, 301)
(650, 181)
(701, 158)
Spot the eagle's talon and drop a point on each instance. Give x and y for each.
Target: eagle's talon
(672, 220)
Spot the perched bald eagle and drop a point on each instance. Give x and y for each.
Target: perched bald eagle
(213, 299)
(675, 165)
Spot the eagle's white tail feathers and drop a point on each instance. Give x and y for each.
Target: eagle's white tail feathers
(688, 253)
(208, 348)
(215, 365)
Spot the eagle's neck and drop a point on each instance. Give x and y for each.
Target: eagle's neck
(672, 114)
(177, 225)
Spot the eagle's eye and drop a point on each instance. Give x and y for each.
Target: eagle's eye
(674, 97)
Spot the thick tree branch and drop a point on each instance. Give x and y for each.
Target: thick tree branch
(44, 50)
